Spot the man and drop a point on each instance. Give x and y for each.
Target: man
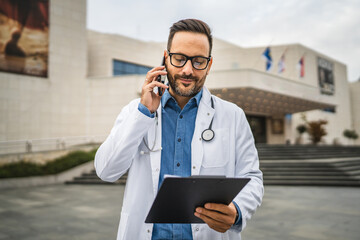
(12, 48)
(158, 135)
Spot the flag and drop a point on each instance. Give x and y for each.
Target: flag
(267, 56)
(301, 67)
(281, 64)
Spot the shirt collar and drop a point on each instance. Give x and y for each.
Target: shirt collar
(167, 96)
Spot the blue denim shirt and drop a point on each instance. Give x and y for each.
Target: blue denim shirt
(177, 132)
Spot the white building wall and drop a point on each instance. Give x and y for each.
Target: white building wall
(108, 94)
(103, 48)
(341, 119)
(35, 107)
(80, 96)
(355, 108)
(106, 97)
(252, 59)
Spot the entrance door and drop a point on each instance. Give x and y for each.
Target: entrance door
(258, 128)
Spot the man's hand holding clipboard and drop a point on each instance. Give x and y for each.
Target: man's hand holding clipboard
(199, 199)
(219, 217)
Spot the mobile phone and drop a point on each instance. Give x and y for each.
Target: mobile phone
(161, 78)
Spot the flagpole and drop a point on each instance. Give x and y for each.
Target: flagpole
(282, 59)
(257, 59)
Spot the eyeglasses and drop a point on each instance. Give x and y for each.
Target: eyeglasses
(179, 60)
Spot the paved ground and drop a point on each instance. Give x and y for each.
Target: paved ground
(92, 212)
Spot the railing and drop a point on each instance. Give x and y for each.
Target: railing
(37, 145)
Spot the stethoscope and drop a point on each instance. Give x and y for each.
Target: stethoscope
(207, 135)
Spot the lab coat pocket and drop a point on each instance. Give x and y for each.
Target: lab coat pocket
(216, 151)
(122, 228)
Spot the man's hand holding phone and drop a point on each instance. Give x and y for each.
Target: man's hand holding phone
(149, 98)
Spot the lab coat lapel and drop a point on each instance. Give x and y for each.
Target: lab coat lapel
(204, 116)
(155, 157)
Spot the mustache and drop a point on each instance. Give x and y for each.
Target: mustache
(189, 77)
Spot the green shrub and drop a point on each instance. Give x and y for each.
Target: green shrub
(351, 134)
(24, 169)
(20, 169)
(301, 128)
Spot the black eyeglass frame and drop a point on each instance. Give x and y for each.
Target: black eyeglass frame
(190, 58)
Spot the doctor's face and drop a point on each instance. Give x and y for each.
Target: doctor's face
(187, 81)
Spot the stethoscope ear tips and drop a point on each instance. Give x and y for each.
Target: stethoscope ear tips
(207, 135)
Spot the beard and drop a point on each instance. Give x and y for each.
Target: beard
(175, 85)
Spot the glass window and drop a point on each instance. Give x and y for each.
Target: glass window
(126, 68)
(330, 110)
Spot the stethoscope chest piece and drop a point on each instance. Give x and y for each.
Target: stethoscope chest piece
(207, 135)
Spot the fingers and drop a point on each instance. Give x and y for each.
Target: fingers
(219, 217)
(150, 87)
(153, 73)
(214, 224)
(157, 69)
(219, 207)
(149, 98)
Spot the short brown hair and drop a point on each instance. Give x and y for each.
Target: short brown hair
(190, 25)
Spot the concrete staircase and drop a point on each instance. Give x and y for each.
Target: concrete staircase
(294, 152)
(310, 165)
(292, 165)
(92, 178)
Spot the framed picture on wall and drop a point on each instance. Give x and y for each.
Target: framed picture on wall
(24, 37)
(277, 126)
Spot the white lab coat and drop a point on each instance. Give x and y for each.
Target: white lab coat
(232, 153)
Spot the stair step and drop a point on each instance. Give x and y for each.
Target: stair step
(90, 181)
(299, 167)
(312, 183)
(307, 178)
(307, 157)
(295, 173)
(347, 164)
(285, 169)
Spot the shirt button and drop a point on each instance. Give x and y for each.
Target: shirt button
(179, 139)
(157, 169)
(194, 167)
(178, 164)
(148, 230)
(197, 229)
(181, 116)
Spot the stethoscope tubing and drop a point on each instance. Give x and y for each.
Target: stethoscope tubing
(207, 135)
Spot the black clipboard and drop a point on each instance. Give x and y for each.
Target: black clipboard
(178, 198)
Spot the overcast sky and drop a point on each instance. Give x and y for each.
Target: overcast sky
(331, 27)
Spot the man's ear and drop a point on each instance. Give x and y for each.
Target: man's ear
(208, 68)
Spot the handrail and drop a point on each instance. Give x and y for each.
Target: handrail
(46, 144)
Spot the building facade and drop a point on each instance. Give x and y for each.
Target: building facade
(92, 75)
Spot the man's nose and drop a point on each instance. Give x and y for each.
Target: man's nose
(188, 68)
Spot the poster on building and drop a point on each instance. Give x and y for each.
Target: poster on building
(24, 36)
(277, 126)
(326, 76)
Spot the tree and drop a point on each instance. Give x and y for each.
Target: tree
(316, 130)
